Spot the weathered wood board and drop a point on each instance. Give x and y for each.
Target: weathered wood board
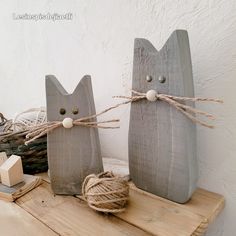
(72, 153)
(166, 218)
(10, 194)
(68, 215)
(162, 141)
(15, 221)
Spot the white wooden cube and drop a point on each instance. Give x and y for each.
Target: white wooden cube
(11, 171)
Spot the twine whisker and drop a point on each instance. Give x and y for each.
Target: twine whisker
(42, 129)
(174, 101)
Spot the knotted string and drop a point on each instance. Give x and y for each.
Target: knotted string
(40, 130)
(175, 101)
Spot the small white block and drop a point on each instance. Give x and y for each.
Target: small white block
(151, 95)
(67, 123)
(3, 158)
(12, 171)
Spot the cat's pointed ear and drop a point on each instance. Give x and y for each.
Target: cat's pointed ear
(178, 40)
(85, 83)
(143, 47)
(143, 51)
(177, 52)
(53, 86)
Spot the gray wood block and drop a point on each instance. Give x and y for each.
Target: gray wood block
(72, 153)
(162, 141)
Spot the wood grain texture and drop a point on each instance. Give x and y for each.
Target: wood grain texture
(118, 167)
(191, 218)
(146, 214)
(72, 153)
(12, 193)
(12, 171)
(162, 141)
(15, 221)
(160, 217)
(68, 215)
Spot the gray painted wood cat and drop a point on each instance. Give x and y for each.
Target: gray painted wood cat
(73, 153)
(162, 141)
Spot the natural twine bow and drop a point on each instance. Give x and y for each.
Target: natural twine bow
(40, 130)
(175, 102)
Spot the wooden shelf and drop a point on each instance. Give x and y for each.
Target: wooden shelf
(146, 214)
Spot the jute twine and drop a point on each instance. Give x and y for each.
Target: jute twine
(29, 118)
(175, 101)
(24, 120)
(38, 131)
(34, 132)
(106, 192)
(41, 130)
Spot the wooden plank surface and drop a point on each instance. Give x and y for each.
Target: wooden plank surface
(12, 193)
(159, 216)
(166, 218)
(205, 203)
(70, 216)
(73, 153)
(162, 141)
(15, 221)
(146, 214)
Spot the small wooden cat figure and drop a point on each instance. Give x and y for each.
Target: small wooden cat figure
(73, 153)
(162, 141)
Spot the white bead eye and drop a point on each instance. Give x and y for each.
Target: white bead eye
(67, 123)
(151, 95)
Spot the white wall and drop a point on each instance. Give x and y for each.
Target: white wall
(99, 41)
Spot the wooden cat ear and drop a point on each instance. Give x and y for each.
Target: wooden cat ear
(53, 86)
(143, 45)
(85, 84)
(178, 50)
(179, 38)
(143, 50)
(177, 46)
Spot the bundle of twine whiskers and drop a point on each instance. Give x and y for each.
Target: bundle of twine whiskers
(175, 101)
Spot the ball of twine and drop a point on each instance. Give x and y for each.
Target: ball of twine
(106, 192)
(29, 118)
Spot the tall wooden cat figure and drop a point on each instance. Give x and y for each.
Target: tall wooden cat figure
(73, 153)
(162, 141)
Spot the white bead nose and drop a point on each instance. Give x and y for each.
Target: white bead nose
(151, 95)
(67, 123)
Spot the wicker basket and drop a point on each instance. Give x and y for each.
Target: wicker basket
(34, 155)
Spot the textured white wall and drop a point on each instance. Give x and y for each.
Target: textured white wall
(99, 41)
